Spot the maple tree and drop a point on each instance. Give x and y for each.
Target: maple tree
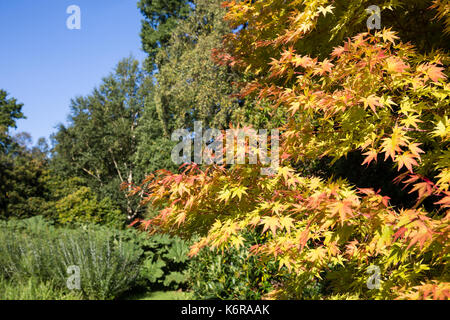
(373, 93)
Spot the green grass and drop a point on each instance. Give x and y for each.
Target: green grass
(33, 289)
(161, 295)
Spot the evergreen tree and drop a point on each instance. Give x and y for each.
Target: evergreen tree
(160, 18)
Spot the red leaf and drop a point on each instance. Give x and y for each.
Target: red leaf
(400, 233)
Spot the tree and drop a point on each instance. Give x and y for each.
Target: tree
(154, 148)
(372, 93)
(10, 111)
(100, 142)
(322, 25)
(190, 86)
(24, 177)
(23, 171)
(319, 26)
(71, 201)
(160, 18)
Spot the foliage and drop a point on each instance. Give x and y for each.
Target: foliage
(443, 12)
(153, 148)
(23, 171)
(75, 203)
(165, 261)
(160, 18)
(10, 111)
(33, 289)
(100, 142)
(316, 27)
(373, 94)
(34, 249)
(234, 274)
(24, 177)
(190, 86)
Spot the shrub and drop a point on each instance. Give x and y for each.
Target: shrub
(109, 264)
(233, 274)
(165, 261)
(83, 206)
(111, 261)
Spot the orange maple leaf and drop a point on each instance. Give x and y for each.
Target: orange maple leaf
(343, 208)
(304, 61)
(392, 145)
(421, 237)
(372, 101)
(325, 67)
(352, 248)
(415, 150)
(371, 156)
(445, 201)
(338, 51)
(395, 64)
(400, 233)
(407, 160)
(423, 188)
(435, 73)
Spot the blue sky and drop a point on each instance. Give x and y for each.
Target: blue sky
(43, 64)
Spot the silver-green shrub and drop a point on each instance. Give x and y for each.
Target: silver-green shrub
(109, 264)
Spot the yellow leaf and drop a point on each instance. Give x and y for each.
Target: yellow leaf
(239, 191)
(324, 10)
(389, 35)
(392, 145)
(411, 121)
(442, 128)
(286, 172)
(318, 254)
(285, 261)
(272, 223)
(224, 195)
(286, 222)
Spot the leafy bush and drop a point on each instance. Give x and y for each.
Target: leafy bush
(233, 274)
(165, 261)
(109, 265)
(83, 206)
